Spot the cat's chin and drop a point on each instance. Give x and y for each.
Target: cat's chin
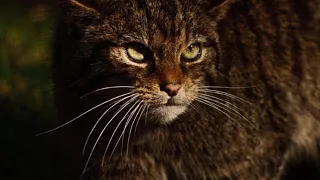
(167, 113)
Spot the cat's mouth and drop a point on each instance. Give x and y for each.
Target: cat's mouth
(169, 104)
(166, 113)
(169, 109)
(165, 108)
(172, 102)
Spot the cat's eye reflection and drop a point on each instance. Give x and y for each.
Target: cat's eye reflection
(192, 53)
(136, 52)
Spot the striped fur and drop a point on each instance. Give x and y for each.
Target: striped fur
(272, 46)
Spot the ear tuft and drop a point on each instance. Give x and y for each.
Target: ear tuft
(78, 12)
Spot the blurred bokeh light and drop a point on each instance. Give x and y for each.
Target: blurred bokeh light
(26, 35)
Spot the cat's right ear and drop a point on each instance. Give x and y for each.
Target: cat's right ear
(217, 8)
(78, 13)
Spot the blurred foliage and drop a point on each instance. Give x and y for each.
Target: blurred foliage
(25, 36)
(26, 91)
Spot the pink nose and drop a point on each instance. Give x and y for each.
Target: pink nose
(171, 89)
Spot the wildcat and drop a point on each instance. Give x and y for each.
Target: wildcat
(194, 89)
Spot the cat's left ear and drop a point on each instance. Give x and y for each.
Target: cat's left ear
(77, 12)
(218, 8)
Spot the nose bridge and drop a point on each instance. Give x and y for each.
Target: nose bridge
(169, 70)
(170, 74)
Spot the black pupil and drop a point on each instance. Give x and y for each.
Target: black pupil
(139, 49)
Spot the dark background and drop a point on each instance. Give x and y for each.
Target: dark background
(26, 107)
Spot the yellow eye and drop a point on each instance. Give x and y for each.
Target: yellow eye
(137, 52)
(192, 53)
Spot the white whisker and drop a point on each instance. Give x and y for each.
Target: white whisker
(225, 94)
(227, 102)
(215, 107)
(115, 114)
(230, 87)
(194, 107)
(117, 102)
(116, 131)
(199, 108)
(106, 88)
(135, 128)
(134, 120)
(127, 123)
(72, 120)
(226, 107)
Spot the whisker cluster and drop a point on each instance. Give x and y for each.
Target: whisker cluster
(95, 125)
(79, 116)
(209, 96)
(105, 127)
(136, 109)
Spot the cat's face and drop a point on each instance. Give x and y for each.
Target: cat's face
(165, 49)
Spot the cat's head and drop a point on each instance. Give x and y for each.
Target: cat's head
(164, 49)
